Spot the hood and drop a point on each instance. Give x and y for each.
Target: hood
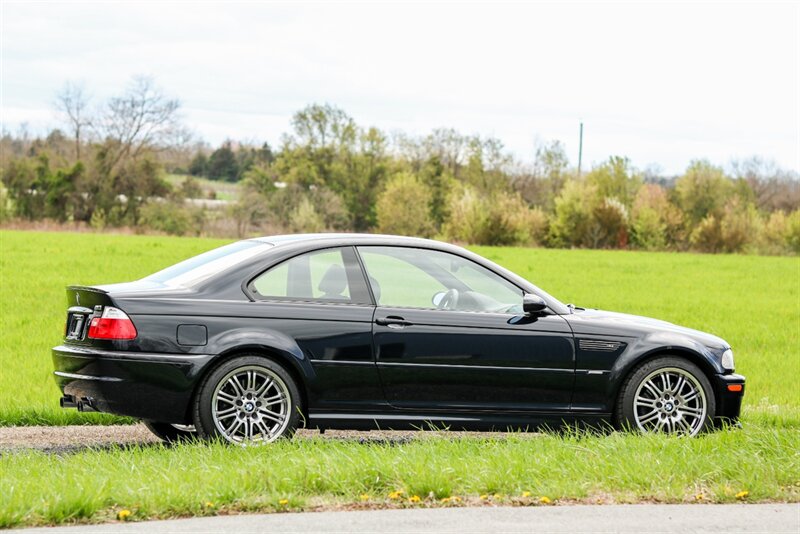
(600, 322)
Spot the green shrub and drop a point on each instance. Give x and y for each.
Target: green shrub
(404, 207)
(5, 204)
(174, 218)
(707, 236)
(98, 220)
(304, 218)
(656, 222)
(740, 226)
(571, 223)
(773, 235)
(190, 188)
(538, 225)
(609, 228)
(648, 229)
(616, 178)
(466, 216)
(793, 232)
(509, 221)
(497, 219)
(703, 190)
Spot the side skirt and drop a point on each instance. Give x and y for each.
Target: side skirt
(469, 422)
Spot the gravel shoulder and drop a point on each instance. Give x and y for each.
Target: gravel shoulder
(64, 439)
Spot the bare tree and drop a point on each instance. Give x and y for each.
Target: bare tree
(142, 117)
(72, 102)
(774, 188)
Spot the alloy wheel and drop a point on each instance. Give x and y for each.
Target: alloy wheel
(670, 400)
(251, 405)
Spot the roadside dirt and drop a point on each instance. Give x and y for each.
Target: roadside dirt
(64, 439)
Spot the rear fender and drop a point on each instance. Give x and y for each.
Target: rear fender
(264, 340)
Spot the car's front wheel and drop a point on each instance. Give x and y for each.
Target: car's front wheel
(667, 394)
(247, 400)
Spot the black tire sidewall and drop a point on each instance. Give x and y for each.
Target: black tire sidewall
(203, 419)
(625, 409)
(167, 432)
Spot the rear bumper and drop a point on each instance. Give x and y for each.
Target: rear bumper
(729, 403)
(143, 385)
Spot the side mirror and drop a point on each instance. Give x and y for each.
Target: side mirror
(532, 304)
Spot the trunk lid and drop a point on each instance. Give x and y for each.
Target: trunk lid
(83, 303)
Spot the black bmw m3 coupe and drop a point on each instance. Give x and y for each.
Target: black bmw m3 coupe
(252, 340)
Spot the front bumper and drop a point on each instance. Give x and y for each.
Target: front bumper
(151, 386)
(729, 390)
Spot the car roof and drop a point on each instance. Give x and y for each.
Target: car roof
(350, 238)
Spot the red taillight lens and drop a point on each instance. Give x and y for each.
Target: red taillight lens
(113, 324)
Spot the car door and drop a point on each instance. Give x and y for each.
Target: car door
(450, 334)
(320, 300)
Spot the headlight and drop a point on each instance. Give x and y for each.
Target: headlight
(727, 360)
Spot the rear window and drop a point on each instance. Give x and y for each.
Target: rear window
(199, 268)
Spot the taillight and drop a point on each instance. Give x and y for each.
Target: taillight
(113, 324)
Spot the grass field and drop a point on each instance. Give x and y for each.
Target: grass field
(753, 302)
(186, 480)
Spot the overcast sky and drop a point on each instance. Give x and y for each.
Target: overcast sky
(660, 83)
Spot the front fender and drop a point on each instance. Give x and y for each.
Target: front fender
(658, 344)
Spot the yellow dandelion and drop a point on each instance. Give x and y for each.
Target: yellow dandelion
(283, 502)
(455, 498)
(209, 504)
(123, 515)
(497, 496)
(742, 495)
(699, 497)
(414, 498)
(484, 497)
(445, 499)
(396, 494)
(526, 493)
(545, 500)
(364, 497)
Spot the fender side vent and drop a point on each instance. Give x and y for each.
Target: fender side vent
(599, 345)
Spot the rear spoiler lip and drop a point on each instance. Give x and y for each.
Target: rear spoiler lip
(87, 288)
(87, 297)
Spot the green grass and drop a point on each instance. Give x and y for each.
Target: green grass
(196, 479)
(753, 302)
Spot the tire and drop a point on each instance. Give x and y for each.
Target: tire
(666, 394)
(171, 433)
(248, 400)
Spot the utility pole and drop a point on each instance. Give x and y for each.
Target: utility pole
(580, 150)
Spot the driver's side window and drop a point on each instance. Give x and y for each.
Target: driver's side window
(419, 278)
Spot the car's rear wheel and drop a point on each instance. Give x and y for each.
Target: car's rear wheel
(248, 400)
(667, 394)
(171, 433)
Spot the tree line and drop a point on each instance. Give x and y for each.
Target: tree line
(106, 168)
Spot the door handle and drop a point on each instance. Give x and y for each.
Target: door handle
(392, 321)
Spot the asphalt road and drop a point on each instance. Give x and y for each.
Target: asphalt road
(772, 518)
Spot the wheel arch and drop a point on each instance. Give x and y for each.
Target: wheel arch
(287, 361)
(682, 352)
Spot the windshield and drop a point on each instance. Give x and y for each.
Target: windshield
(199, 268)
